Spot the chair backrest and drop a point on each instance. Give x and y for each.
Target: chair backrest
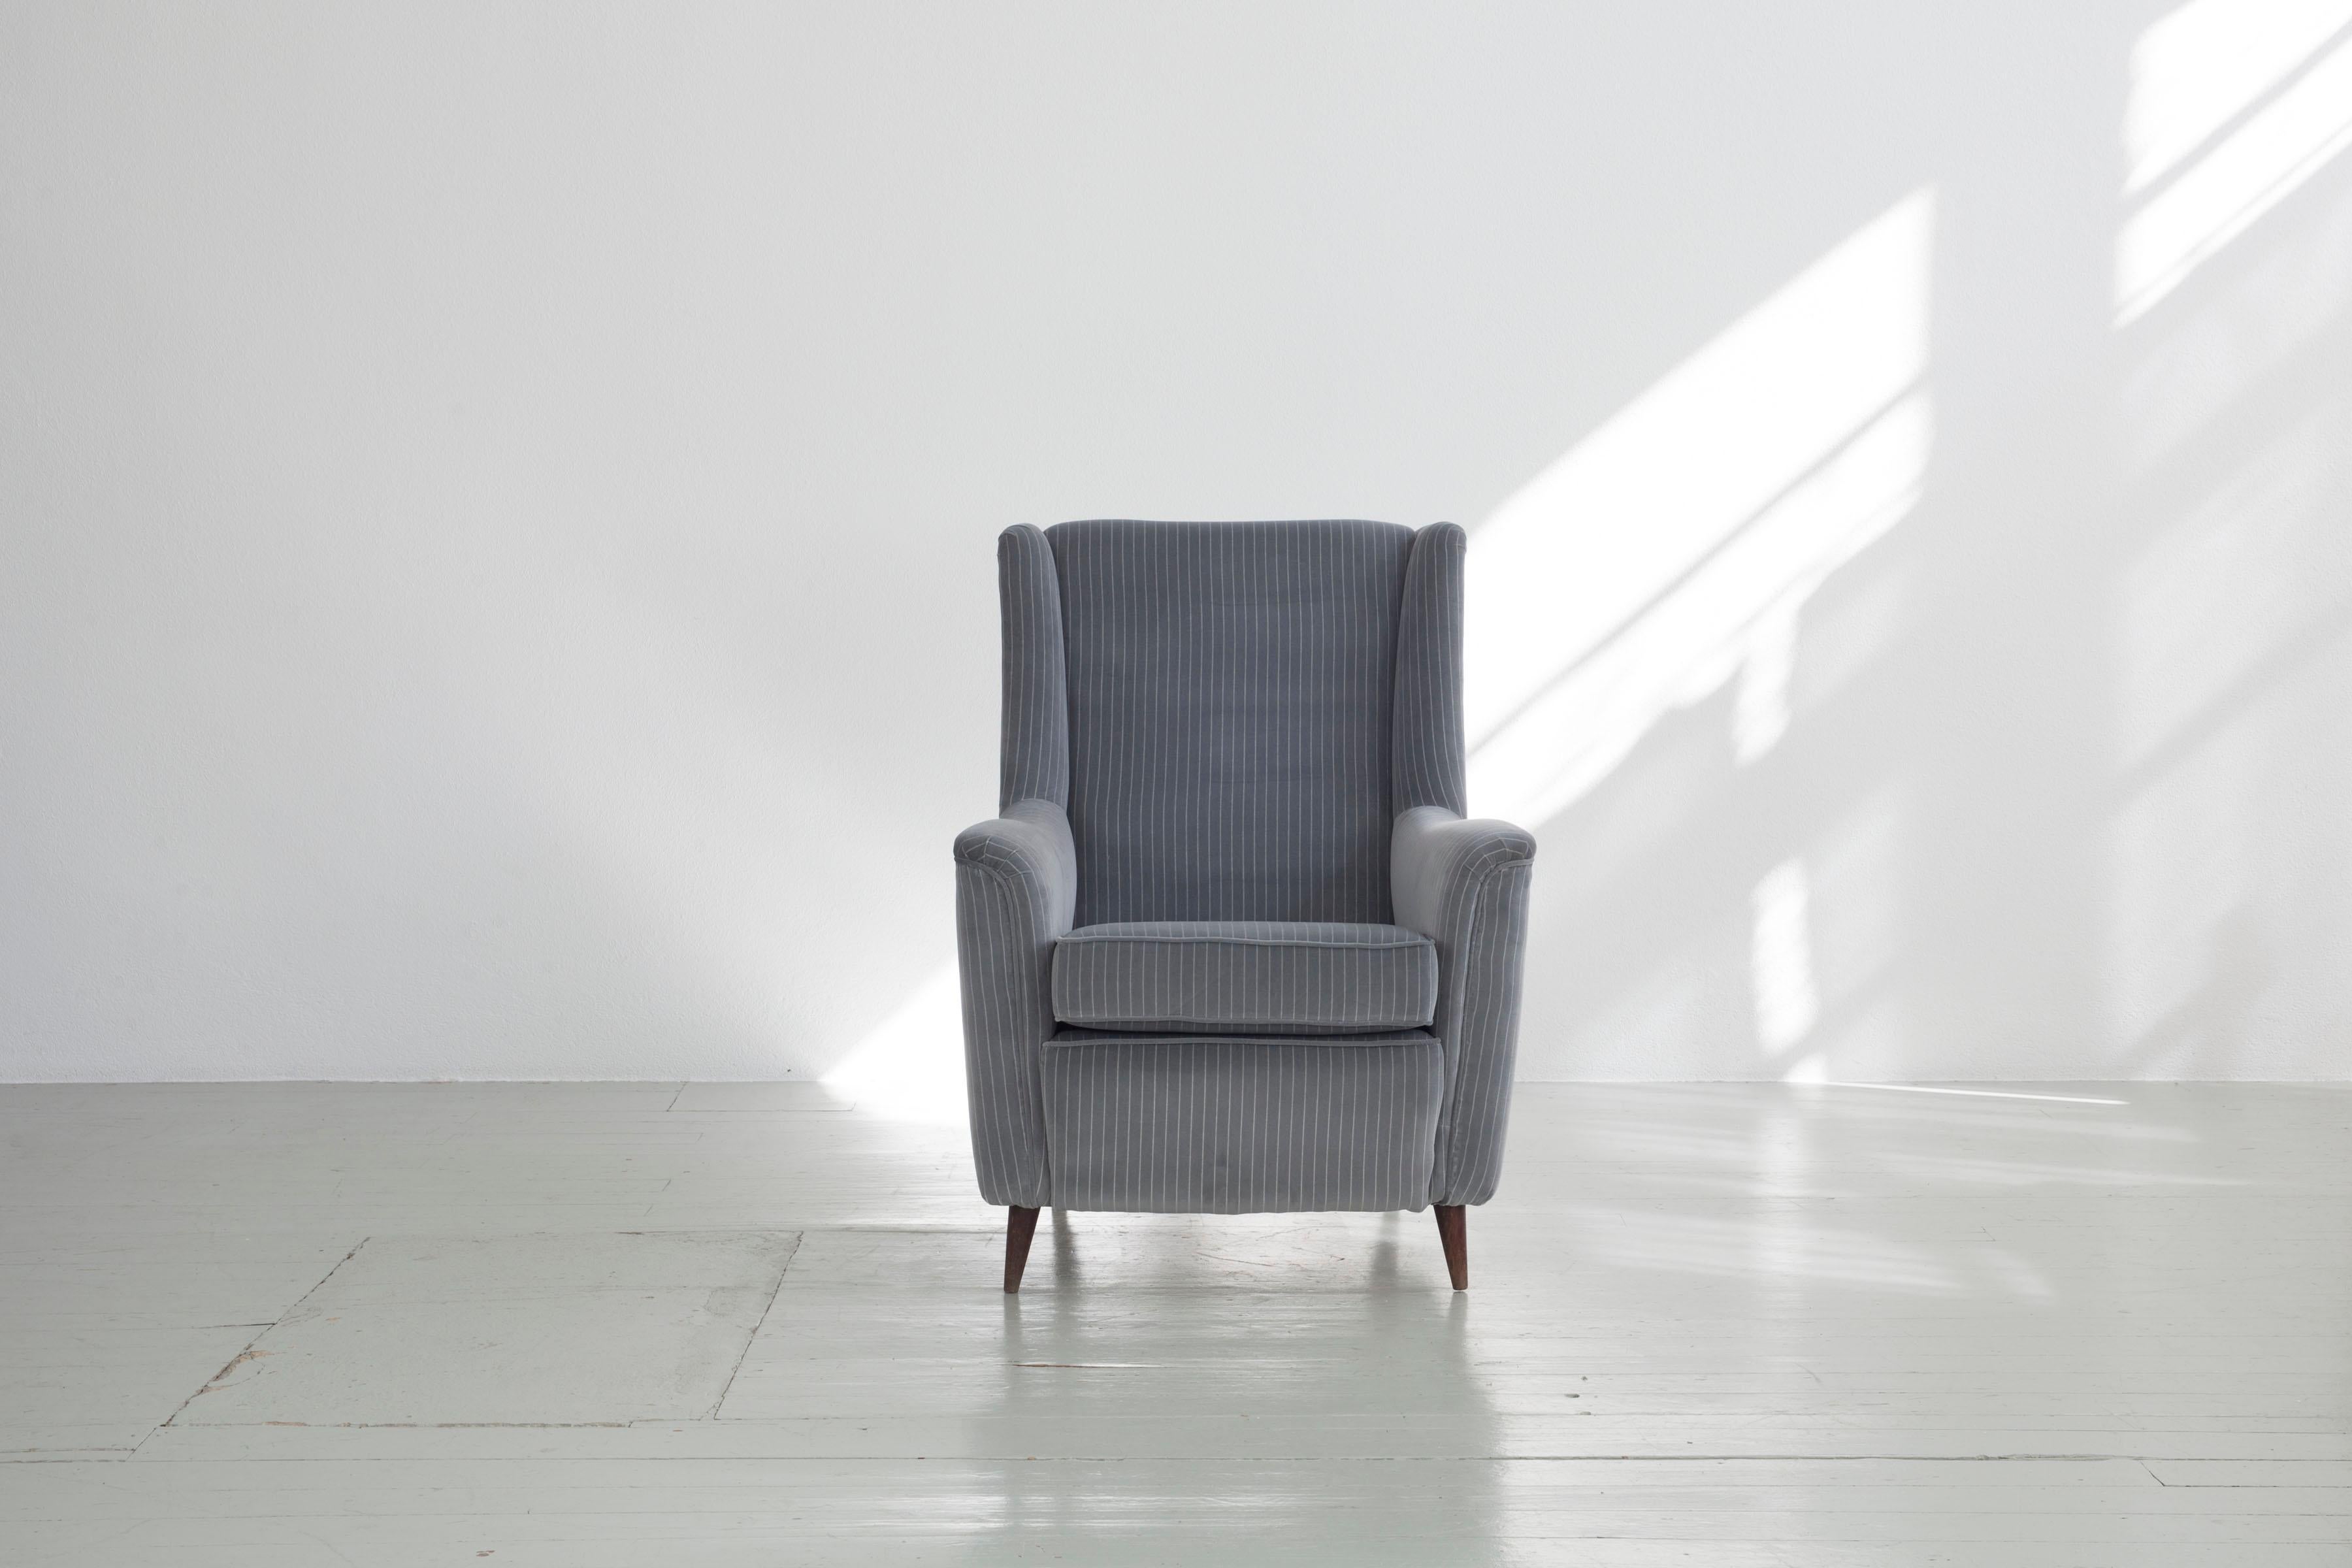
(1243, 708)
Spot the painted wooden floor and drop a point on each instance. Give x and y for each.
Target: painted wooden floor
(654, 1324)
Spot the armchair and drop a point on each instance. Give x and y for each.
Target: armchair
(1231, 944)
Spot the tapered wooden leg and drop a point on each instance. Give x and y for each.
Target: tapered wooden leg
(1453, 1231)
(1020, 1226)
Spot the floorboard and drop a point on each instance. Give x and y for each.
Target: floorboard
(595, 1324)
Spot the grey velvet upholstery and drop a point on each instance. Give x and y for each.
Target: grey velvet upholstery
(1464, 883)
(1274, 978)
(1037, 751)
(1229, 695)
(1426, 762)
(1016, 879)
(1079, 1035)
(1243, 1128)
(1230, 944)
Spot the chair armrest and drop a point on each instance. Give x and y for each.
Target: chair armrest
(1016, 893)
(1434, 855)
(1462, 882)
(1030, 843)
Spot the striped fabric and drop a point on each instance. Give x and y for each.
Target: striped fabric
(1016, 879)
(1228, 695)
(1428, 766)
(1236, 727)
(1077, 1034)
(1255, 976)
(1036, 756)
(1466, 884)
(1206, 1127)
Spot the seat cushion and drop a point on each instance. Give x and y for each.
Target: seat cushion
(1221, 977)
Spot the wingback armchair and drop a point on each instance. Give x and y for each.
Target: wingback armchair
(1231, 944)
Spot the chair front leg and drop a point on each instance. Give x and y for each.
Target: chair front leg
(1454, 1234)
(1020, 1230)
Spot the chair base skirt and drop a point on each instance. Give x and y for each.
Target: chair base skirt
(1213, 1127)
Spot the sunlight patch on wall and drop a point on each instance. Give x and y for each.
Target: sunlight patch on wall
(1674, 547)
(2198, 69)
(1767, 669)
(2233, 104)
(1788, 1001)
(2231, 584)
(910, 1067)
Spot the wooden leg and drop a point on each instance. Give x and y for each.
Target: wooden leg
(1020, 1226)
(1453, 1231)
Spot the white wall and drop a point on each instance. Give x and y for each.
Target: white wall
(495, 505)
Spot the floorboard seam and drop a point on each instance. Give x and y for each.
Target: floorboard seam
(439, 1426)
(754, 1337)
(247, 1353)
